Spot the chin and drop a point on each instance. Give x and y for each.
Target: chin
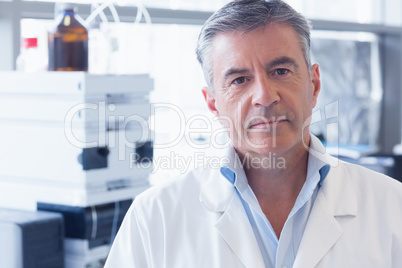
(265, 142)
(271, 145)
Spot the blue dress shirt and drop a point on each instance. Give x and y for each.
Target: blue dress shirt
(279, 252)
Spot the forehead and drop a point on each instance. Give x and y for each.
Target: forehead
(262, 44)
(270, 34)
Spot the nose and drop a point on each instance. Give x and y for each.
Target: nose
(264, 92)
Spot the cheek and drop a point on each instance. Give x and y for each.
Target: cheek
(298, 105)
(227, 104)
(307, 107)
(225, 116)
(307, 97)
(234, 106)
(231, 116)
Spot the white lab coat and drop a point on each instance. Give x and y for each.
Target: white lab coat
(198, 221)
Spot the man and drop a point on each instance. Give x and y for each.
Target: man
(307, 209)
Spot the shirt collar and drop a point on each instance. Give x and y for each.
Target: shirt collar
(233, 169)
(315, 163)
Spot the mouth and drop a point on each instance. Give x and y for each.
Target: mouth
(267, 123)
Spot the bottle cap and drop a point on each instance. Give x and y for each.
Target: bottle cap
(29, 42)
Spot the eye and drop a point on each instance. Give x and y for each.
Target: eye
(281, 71)
(239, 80)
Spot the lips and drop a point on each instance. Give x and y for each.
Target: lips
(264, 122)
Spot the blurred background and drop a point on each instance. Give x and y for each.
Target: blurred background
(147, 51)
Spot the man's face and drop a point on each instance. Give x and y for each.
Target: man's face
(264, 95)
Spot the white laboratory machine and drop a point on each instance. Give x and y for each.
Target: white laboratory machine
(76, 140)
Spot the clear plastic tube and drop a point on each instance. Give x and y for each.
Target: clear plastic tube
(94, 6)
(99, 10)
(141, 11)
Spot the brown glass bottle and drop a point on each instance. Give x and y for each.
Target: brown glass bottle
(68, 42)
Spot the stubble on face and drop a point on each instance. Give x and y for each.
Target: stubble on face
(267, 110)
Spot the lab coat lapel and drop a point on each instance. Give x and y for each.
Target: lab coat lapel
(219, 196)
(321, 233)
(236, 230)
(336, 197)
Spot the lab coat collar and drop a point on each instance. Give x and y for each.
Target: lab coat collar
(336, 198)
(219, 196)
(217, 190)
(317, 150)
(337, 187)
(236, 230)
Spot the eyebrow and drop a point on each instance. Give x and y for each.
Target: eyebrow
(282, 60)
(278, 61)
(233, 71)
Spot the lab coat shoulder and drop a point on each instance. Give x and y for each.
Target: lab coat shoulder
(146, 221)
(364, 189)
(369, 180)
(170, 195)
(355, 221)
(169, 226)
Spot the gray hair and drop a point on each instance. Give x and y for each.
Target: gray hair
(246, 16)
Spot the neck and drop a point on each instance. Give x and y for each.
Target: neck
(282, 179)
(277, 188)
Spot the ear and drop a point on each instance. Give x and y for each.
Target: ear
(315, 82)
(210, 100)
